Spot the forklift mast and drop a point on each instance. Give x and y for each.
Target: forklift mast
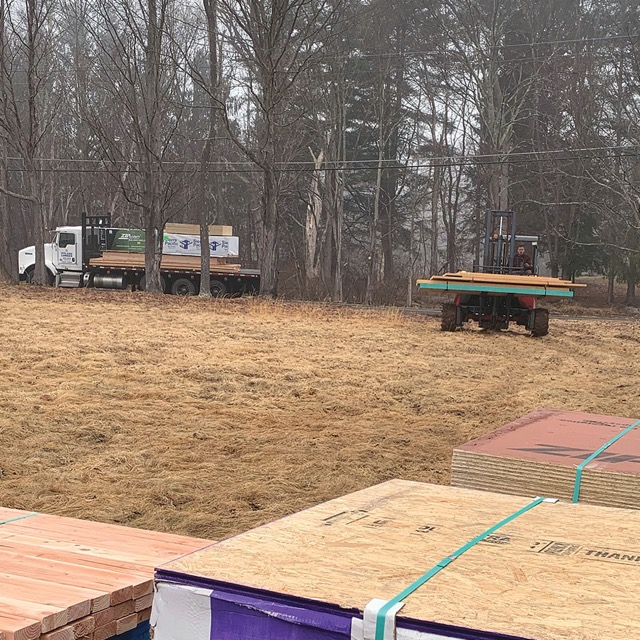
(500, 241)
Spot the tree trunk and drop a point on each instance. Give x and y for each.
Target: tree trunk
(435, 199)
(204, 218)
(338, 222)
(269, 233)
(8, 257)
(631, 290)
(205, 253)
(373, 230)
(211, 11)
(611, 279)
(314, 216)
(153, 256)
(154, 225)
(40, 274)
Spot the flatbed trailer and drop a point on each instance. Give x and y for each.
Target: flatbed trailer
(95, 255)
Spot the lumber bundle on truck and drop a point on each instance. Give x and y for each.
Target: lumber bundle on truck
(169, 262)
(539, 455)
(194, 229)
(67, 579)
(558, 571)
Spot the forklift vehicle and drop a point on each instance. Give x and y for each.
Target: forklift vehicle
(503, 288)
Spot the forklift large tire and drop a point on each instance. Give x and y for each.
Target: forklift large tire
(540, 323)
(183, 287)
(449, 317)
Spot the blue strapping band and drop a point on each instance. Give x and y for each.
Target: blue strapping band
(382, 613)
(28, 515)
(595, 454)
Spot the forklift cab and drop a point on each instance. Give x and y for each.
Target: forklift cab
(500, 246)
(530, 244)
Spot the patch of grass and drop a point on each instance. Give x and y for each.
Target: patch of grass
(207, 417)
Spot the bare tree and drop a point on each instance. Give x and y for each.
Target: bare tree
(277, 41)
(27, 107)
(138, 75)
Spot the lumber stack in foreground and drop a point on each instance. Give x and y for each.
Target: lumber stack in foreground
(538, 455)
(67, 579)
(560, 571)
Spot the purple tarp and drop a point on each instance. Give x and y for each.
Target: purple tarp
(243, 613)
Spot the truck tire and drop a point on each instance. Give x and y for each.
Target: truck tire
(143, 282)
(449, 315)
(183, 287)
(540, 323)
(218, 288)
(28, 276)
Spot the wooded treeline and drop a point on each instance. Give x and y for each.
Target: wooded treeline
(354, 145)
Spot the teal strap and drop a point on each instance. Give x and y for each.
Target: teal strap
(28, 515)
(595, 454)
(380, 618)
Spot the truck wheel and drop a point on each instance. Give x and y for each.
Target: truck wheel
(143, 282)
(28, 276)
(540, 323)
(183, 287)
(449, 313)
(218, 288)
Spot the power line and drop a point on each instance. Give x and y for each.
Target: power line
(519, 45)
(428, 161)
(461, 161)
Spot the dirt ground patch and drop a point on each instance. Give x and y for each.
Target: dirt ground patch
(207, 418)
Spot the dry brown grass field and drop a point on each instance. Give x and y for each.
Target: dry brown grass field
(209, 417)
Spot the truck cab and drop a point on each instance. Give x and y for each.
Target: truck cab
(62, 254)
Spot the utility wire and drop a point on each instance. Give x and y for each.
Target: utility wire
(453, 160)
(427, 164)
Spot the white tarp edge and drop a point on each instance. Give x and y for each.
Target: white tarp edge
(181, 612)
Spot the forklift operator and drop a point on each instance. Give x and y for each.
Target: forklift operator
(522, 262)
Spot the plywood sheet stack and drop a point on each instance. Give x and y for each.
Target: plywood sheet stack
(194, 229)
(539, 453)
(560, 571)
(499, 278)
(168, 262)
(67, 579)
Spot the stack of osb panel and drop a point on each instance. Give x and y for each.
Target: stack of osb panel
(539, 455)
(549, 571)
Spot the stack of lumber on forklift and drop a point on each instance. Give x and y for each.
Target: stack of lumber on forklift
(475, 281)
(557, 572)
(498, 278)
(67, 579)
(169, 262)
(539, 453)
